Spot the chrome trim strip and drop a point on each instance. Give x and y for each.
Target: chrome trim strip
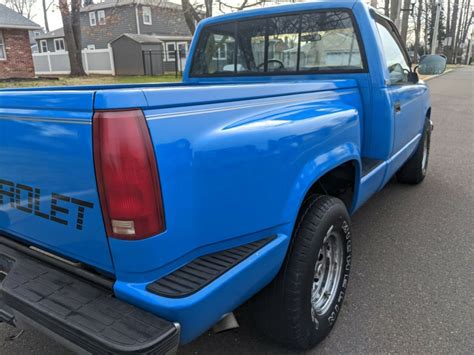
(44, 119)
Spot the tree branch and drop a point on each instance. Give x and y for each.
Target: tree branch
(244, 5)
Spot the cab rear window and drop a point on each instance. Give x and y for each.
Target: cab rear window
(322, 42)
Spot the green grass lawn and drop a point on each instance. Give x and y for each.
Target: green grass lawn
(90, 80)
(107, 79)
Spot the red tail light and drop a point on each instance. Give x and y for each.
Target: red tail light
(127, 176)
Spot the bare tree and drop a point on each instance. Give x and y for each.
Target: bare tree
(427, 15)
(458, 31)
(197, 11)
(416, 46)
(405, 14)
(387, 7)
(452, 34)
(23, 7)
(72, 34)
(467, 24)
(465, 19)
(448, 19)
(193, 13)
(224, 5)
(46, 6)
(395, 10)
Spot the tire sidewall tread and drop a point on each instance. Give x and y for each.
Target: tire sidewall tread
(286, 316)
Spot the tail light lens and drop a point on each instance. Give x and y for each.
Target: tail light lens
(127, 175)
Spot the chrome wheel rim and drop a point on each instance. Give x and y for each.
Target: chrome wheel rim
(327, 273)
(424, 161)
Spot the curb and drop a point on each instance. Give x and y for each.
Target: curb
(437, 76)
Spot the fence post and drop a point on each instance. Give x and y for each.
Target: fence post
(151, 63)
(176, 64)
(111, 54)
(86, 62)
(49, 62)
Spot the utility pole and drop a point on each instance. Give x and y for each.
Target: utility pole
(434, 39)
(395, 10)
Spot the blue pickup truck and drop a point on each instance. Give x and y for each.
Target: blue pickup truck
(135, 217)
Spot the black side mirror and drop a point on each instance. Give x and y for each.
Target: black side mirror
(413, 77)
(432, 64)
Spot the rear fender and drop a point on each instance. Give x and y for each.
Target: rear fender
(318, 167)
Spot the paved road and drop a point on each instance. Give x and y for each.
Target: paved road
(412, 284)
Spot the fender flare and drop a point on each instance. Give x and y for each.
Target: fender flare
(315, 169)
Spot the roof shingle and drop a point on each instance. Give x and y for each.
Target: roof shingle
(52, 34)
(12, 19)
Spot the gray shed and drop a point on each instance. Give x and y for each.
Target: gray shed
(138, 54)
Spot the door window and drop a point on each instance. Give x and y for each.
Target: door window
(170, 51)
(44, 46)
(397, 65)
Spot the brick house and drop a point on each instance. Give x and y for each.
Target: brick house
(16, 60)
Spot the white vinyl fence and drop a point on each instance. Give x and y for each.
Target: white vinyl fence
(96, 61)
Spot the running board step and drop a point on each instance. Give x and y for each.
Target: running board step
(202, 271)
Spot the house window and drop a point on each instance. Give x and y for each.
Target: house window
(3, 55)
(37, 33)
(92, 19)
(170, 51)
(43, 46)
(101, 17)
(59, 44)
(221, 51)
(147, 15)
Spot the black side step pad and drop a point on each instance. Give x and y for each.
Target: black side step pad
(83, 313)
(202, 271)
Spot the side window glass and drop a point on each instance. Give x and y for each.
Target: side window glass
(329, 42)
(283, 33)
(395, 61)
(217, 55)
(251, 46)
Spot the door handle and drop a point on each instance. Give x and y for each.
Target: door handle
(397, 106)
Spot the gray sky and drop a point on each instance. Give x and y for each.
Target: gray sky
(54, 17)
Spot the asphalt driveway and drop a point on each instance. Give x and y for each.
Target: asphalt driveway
(412, 283)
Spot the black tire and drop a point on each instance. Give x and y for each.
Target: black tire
(283, 310)
(414, 170)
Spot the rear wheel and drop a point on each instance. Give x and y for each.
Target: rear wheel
(301, 305)
(414, 170)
